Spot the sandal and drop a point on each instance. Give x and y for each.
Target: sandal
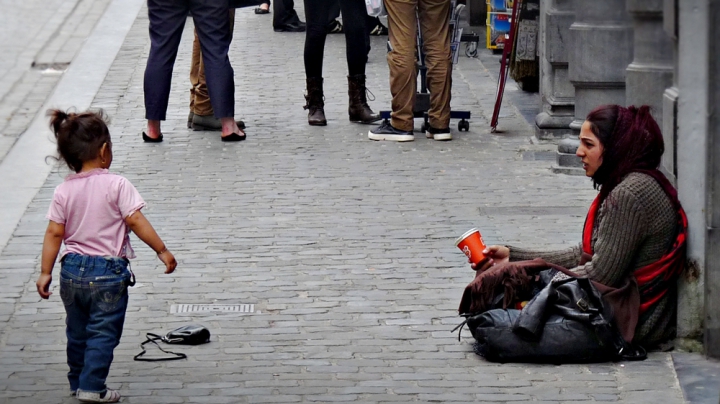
(234, 137)
(260, 10)
(148, 139)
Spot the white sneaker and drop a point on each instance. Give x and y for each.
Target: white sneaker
(438, 134)
(111, 396)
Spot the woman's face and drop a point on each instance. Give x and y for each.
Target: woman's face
(590, 150)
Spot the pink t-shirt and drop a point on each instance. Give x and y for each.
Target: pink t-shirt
(93, 206)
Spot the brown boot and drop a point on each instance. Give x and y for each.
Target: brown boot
(359, 109)
(315, 102)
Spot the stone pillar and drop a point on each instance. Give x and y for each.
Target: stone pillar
(651, 71)
(557, 93)
(693, 152)
(600, 50)
(712, 253)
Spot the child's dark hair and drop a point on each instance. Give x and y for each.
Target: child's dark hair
(80, 136)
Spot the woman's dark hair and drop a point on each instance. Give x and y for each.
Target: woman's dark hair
(631, 139)
(80, 136)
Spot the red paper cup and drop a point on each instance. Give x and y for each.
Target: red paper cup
(471, 243)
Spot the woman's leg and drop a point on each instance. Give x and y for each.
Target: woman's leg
(215, 33)
(167, 20)
(356, 46)
(354, 14)
(316, 18)
(316, 14)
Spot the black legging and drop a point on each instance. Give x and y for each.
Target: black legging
(316, 15)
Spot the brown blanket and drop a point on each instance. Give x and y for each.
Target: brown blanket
(512, 278)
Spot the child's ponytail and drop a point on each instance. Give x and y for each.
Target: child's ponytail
(57, 117)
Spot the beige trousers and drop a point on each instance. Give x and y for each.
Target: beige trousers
(434, 24)
(199, 96)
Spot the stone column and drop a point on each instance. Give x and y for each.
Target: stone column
(600, 50)
(557, 93)
(651, 71)
(693, 168)
(712, 254)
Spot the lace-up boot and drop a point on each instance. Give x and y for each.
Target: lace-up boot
(359, 109)
(315, 102)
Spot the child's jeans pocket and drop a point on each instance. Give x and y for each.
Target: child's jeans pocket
(107, 295)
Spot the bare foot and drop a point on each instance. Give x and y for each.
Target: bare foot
(153, 129)
(229, 126)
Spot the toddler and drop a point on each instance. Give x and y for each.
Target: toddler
(92, 212)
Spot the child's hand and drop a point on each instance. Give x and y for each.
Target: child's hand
(43, 285)
(169, 260)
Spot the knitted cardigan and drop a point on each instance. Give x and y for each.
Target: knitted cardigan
(635, 226)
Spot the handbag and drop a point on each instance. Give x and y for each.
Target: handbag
(192, 334)
(566, 322)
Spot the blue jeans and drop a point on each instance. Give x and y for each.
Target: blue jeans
(94, 292)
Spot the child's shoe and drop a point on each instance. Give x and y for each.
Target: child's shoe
(110, 396)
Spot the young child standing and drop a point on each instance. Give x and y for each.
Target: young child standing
(92, 212)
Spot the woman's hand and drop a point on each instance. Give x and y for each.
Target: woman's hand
(496, 254)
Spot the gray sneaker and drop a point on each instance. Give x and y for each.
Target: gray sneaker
(387, 132)
(210, 123)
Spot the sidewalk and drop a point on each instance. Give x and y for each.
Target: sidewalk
(343, 245)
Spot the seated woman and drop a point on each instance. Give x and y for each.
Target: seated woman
(635, 231)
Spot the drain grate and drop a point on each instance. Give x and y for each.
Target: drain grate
(212, 308)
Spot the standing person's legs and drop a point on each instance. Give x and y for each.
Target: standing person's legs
(285, 17)
(315, 36)
(201, 107)
(214, 34)
(353, 12)
(167, 20)
(354, 15)
(199, 98)
(195, 63)
(434, 23)
(402, 24)
(333, 11)
(316, 14)
(264, 7)
(213, 28)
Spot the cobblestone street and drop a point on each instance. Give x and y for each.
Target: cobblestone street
(344, 246)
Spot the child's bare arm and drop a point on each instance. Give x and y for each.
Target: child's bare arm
(139, 225)
(51, 246)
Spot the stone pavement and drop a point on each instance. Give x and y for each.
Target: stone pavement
(343, 245)
(38, 39)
